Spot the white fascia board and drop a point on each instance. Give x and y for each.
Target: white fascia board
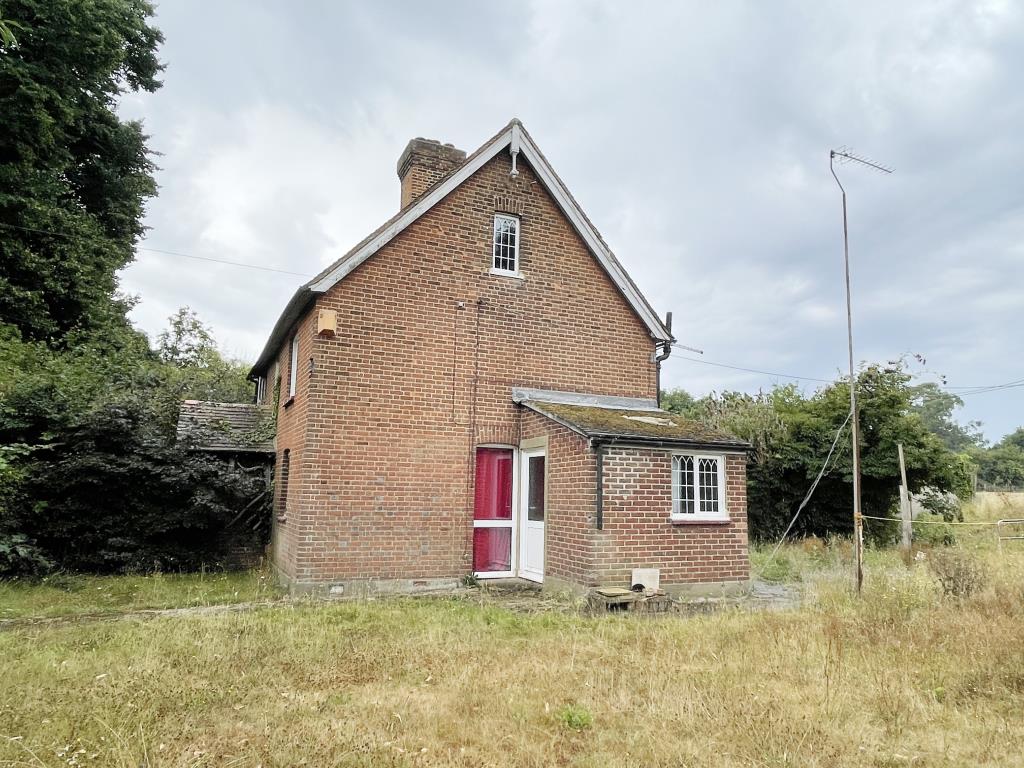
(422, 206)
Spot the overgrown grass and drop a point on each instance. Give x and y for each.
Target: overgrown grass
(904, 676)
(74, 595)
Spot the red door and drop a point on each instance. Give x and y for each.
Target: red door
(492, 511)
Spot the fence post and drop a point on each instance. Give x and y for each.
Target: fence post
(907, 533)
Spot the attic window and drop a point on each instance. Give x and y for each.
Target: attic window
(506, 246)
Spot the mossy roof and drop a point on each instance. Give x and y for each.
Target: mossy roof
(630, 425)
(229, 427)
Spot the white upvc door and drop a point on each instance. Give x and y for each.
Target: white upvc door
(532, 503)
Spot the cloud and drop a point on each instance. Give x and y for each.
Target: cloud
(695, 136)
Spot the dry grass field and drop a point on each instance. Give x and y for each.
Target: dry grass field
(77, 595)
(907, 675)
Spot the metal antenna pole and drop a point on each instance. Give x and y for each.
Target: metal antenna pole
(858, 520)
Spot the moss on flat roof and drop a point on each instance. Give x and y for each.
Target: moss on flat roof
(650, 425)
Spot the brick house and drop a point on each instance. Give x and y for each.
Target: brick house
(473, 389)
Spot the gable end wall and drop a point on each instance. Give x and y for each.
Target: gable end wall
(420, 371)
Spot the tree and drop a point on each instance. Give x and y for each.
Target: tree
(935, 407)
(1002, 465)
(1013, 440)
(194, 368)
(74, 177)
(791, 435)
(680, 401)
(90, 476)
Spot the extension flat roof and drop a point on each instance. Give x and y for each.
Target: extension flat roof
(630, 425)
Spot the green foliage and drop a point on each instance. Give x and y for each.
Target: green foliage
(935, 407)
(18, 553)
(1002, 465)
(934, 531)
(74, 177)
(7, 37)
(791, 435)
(575, 717)
(104, 487)
(117, 496)
(194, 369)
(682, 402)
(90, 477)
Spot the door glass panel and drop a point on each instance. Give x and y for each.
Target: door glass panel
(535, 502)
(493, 484)
(492, 549)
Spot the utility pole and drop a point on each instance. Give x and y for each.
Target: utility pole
(858, 520)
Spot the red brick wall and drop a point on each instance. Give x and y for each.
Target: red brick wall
(291, 435)
(412, 382)
(638, 531)
(571, 478)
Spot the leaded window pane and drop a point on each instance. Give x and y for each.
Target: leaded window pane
(506, 234)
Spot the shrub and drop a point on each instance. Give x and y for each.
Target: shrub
(959, 574)
(575, 717)
(117, 496)
(933, 532)
(945, 505)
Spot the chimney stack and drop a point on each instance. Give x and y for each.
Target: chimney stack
(423, 163)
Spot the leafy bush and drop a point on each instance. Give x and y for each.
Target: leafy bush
(18, 553)
(575, 717)
(791, 434)
(959, 574)
(934, 531)
(118, 497)
(944, 505)
(90, 477)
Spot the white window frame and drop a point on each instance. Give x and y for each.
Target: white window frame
(722, 515)
(293, 366)
(519, 231)
(261, 389)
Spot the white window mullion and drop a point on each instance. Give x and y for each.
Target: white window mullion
(505, 245)
(698, 487)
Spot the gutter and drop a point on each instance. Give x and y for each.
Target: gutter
(666, 350)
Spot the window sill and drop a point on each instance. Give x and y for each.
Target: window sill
(288, 402)
(506, 273)
(692, 520)
(282, 518)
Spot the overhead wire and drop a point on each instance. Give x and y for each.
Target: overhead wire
(168, 253)
(961, 390)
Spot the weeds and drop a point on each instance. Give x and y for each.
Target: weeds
(575, 717)
(959, 573)
(897, 676)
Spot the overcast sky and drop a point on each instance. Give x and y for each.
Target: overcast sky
(695, 135)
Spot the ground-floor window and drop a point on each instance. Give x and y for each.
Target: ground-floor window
(492, 511)
(698, 487)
